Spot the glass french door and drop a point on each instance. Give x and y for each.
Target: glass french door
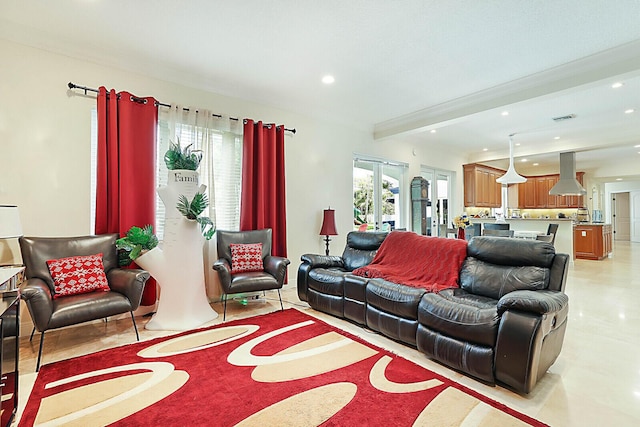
(377, 195)
(439, 194)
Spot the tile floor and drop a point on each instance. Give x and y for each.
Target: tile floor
(594, 382)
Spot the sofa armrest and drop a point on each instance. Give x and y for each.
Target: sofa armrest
(277, 267)
(537, 302)
(129, 282)
(223, 268)
(37, 295)
(530, 336)
(322, 261)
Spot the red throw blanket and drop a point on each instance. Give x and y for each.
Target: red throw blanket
(432, 263)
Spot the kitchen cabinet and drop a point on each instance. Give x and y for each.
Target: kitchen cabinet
(480, 186)
(534, 194)
(592, 241)
(527, 194)
(481, 190)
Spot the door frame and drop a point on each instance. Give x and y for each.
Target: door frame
(377, 167)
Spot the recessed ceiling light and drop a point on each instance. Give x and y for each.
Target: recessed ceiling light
(328, 79)
(485, 149)
(636, 146)
(505, 113)
(433, 131)
(616, 85)
(517, 144)
(629, 111)
(536, 164)
(524, 160)
(618, 179)
(556, 137)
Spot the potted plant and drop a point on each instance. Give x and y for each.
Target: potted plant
(188, 159)
(192, 210)
(134, 243)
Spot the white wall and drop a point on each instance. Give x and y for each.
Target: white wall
(616, 187)
(45, 142)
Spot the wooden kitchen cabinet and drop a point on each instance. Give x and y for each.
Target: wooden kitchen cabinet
(481, 190)
(480, 186)
(592, 241)
(527, 195)
(534, 194)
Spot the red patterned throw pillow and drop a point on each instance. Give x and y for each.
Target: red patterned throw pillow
(78, 275)
(246, 257)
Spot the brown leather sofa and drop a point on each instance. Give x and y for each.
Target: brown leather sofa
(48, 312)
(504, 325)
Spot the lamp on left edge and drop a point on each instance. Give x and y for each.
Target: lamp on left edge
(10, 226)
(328, 226)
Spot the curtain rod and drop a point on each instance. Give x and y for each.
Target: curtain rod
(89, 89)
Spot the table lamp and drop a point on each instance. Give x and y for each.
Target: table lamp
(10, 227)
(328, 226)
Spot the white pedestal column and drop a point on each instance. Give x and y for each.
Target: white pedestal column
(178, 266)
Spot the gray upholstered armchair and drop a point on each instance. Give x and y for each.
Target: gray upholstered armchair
(49, 312)
(274, 267)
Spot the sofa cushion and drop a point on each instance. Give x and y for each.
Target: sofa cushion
(361, 248)
(393, 298)
(246, 257)
(505, 251)
(494, 281)
(461, 315)
(78, 275)
(327, 280)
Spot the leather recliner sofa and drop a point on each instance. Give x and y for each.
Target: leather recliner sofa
(505, 324)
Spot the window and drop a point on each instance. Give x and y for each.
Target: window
(223, 156)
(377, 194)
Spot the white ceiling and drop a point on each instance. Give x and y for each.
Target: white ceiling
(402, 68)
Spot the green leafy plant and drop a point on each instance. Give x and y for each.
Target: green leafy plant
(192, 210)
(131, 246)
(175, 158)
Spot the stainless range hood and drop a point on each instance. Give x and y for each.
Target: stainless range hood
(568, 185)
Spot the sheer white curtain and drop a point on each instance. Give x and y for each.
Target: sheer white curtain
(220, 140)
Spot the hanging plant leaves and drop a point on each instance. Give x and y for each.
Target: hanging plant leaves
(192, 210)
(175, 158)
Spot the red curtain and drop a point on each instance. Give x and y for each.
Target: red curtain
(126, 187)
(263, 203)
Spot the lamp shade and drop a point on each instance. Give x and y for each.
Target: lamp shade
(511, 177)
(329, 223)
(10, 226)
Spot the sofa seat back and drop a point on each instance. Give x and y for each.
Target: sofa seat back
(37, 250)
(361, 248)
(496, 266)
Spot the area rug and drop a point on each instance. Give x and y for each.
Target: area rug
(281, 369)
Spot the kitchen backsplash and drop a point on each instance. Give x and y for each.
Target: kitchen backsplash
(523, 213)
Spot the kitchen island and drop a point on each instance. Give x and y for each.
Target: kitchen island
(564, 236)
(592, 241)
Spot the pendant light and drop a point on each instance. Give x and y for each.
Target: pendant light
(511, 177)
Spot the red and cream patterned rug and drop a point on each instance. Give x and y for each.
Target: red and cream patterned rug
(280, 369)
